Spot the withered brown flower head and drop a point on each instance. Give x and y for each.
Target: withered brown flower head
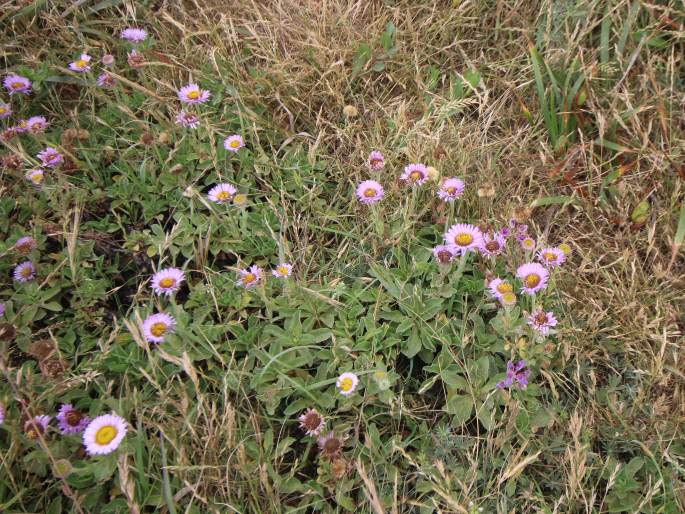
(339, 468)
(312, 422)
(330, 446)
(12, 161)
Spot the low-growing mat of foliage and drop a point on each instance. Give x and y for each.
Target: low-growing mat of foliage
(302, 256)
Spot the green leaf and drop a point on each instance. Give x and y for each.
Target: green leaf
(553, 200)
(460, 407)
(640, 212)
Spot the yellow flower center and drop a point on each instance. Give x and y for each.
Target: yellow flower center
(105, 435)
(37, 178)
(528, 243)
(249, 278)
(565, 248)
(415, 175)
(282, 270)
(17, 85)
(158, 329)
(370, 192)
(235, 143)
(346, 384)
(167, 282)
(81, 63)
(193, 95)
(26, 272)
(451, 190)
(532, 280)
(37, 126)
(549, 256)
(23, 123)
(3, 110)
(463, 239)
(505, 287)
(240, 199)
(509, 298)
(223, 196)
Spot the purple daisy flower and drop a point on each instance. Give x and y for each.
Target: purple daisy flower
(464, 237)
(2, 413)
(249, 277)
(25, 245)
(108, 59)
(50, 157)
(187, 119)
(370, 192)
(522, 228)
(17, 84)
(2, 311)
(35, 176)
(283, 270)
(499, 288)
(36, 426)
(234, 143)
(70, 420)
(534, 277)
(37, 124)
(376, 161)
(551, 257)
(493, 244)
(106, 80)
(134, 34)
(415, 174)
(444, 254)
(167, 281)
(542, 321)
(192, 94)
(81, 64)
(5, 110)
(222, 193)
(157, 326)
(506, 231)
(22, 126)
(516, 375)
(24, 272)
(451, 189)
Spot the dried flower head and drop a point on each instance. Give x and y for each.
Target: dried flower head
(36, 427)
(330, 446)
(25, 245)
(312, 422)
(70, 420)
(542, 321)
(376, 161)
(444, 254)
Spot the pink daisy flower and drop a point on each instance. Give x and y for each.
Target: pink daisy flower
(50, 157)
(24, 272)
(5, 110)
(70, 420)
(534, 277)
(542, 321)
(347, 383)
(499, 287)
(104, 434)
(134, 34)
(493, 244)
(370, 192)
(36, 176)
(451, 189)
(528, 244)
(17, 84)
(192, 94)
(234, 143)
(167, 281)
(444, 254)
(157, 326)
(249, 277)
(37, 124)
(551, 257)
(283, 270)
(222, 193)
(36, 426)
(187, 119)
(415, 174)
(376, 161)
(108, 59)
(81, 65)
(106, 80)
(464, 237)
